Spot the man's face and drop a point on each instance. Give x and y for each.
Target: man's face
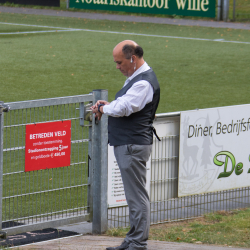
(123, 64)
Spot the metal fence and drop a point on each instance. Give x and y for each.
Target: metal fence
(165, 204)
(239, 10)
(57, 196)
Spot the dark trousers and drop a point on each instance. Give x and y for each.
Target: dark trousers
(132, 160)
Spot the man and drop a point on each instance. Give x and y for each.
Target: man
(130, 131)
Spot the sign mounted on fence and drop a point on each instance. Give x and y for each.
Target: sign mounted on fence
(214, 150)
(116, 194)
(47, 145)
(204, 8)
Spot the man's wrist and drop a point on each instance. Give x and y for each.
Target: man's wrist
(99, 106)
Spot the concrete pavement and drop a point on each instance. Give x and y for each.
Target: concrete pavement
(89, 242)
(127, 18)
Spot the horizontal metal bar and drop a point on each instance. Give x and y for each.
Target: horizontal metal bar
(78, 141)
(59, 213)
(48, 224)
(50, 102)
(72, 164)
(19, 172)
(43, 191)
(174, 178)
(170, 114)
(165, 137)
(23, 147)
(66, 119)
(165, 158)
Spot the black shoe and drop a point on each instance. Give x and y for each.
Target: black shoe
(123, 246)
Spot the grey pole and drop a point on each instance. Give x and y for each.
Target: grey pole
(100, 168)
(219, 11)
(67, 4)
(1, 160)
(225, 10)
(3, 108)
(234, 17)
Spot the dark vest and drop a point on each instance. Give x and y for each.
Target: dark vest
(137, 127)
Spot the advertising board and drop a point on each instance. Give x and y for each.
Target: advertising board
(116, 194)
(47, 145)
(204, 8)
(214, 150)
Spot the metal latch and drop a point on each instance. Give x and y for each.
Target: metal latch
(85, 113)
(4, 107)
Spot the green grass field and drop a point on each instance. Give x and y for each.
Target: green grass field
(192, 73)
(230, 229)
(194, 69)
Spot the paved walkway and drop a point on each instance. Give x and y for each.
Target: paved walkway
(91, 242)
(87, 242)
(129, 18)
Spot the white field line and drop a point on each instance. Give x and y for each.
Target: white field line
(40, 26)
(34, 32)
(116, 32)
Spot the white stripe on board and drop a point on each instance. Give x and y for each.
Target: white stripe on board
(120, 33)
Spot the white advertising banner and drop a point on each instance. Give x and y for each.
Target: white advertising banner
(116, 194)
(214, 150)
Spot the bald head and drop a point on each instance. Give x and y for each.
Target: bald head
(129, 48)
(128, 56)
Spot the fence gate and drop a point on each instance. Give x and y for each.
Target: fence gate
(52, 197)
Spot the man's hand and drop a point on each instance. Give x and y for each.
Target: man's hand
(100, 102)
(94, 108)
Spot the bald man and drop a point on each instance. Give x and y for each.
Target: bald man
(130, 131)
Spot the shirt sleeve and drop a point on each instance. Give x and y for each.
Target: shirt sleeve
(133, 101)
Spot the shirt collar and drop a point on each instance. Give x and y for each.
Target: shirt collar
(143, 68)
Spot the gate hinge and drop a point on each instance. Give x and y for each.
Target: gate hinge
(3, 234)
(4, 107)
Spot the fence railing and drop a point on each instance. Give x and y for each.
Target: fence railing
(52, 197)
(165, 204)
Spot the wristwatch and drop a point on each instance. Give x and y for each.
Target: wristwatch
(99, 107)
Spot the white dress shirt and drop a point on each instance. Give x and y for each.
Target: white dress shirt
(134, 100)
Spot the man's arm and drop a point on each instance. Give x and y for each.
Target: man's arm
(133, 101)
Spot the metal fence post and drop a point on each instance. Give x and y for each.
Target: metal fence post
(225, 10)
(234, 6)
(1, 160)
(3, 108)
(100, 168)
(219, 10)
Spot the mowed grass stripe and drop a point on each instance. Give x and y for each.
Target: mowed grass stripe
(192, 74)
(115, 32)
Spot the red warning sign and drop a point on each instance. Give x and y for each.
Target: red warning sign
(47, 145)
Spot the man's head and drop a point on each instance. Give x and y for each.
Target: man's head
(128, 56)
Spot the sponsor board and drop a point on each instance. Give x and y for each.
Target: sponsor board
(214, 150)
(204, 8)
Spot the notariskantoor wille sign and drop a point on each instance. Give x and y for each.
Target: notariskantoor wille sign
(204, 8)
